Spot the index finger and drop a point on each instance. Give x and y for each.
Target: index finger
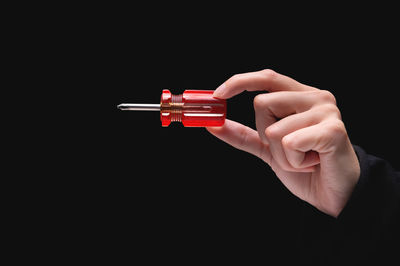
(266, 79)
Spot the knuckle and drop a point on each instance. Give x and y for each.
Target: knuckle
(336, 129)
(335, 111)
(268, 73)
(333, 133)
(326, 96)
(272, 132)
(330, 109)
(243, 138)
(288, 143)
(258, 102)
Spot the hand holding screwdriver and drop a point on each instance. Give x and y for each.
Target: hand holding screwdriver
(299, 133)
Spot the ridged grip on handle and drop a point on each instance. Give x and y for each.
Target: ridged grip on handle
(194, 108)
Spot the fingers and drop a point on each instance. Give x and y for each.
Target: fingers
(292, 159)
(290, 108)
(298, 110)
(271, 106)
(283, 103)
(303, 147)
(267, 80)
(321, 137)
(242, 138)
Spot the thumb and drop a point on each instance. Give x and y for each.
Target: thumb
(243, 138)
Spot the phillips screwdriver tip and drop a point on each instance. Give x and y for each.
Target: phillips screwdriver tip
(138, 107)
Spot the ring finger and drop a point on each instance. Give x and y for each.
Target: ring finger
(286, 159)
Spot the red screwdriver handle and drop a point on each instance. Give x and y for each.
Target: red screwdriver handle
(194, 108)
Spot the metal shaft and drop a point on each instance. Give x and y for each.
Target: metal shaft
(139, 107)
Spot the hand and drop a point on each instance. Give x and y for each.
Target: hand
(300, 134)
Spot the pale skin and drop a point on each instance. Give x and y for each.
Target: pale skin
(300, 134)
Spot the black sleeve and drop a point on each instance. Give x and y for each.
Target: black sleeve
(367, 229)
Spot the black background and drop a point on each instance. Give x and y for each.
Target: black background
(147, 192)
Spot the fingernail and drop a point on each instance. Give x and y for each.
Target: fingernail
(219, 92)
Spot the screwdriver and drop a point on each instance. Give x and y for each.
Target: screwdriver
(194, 108)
